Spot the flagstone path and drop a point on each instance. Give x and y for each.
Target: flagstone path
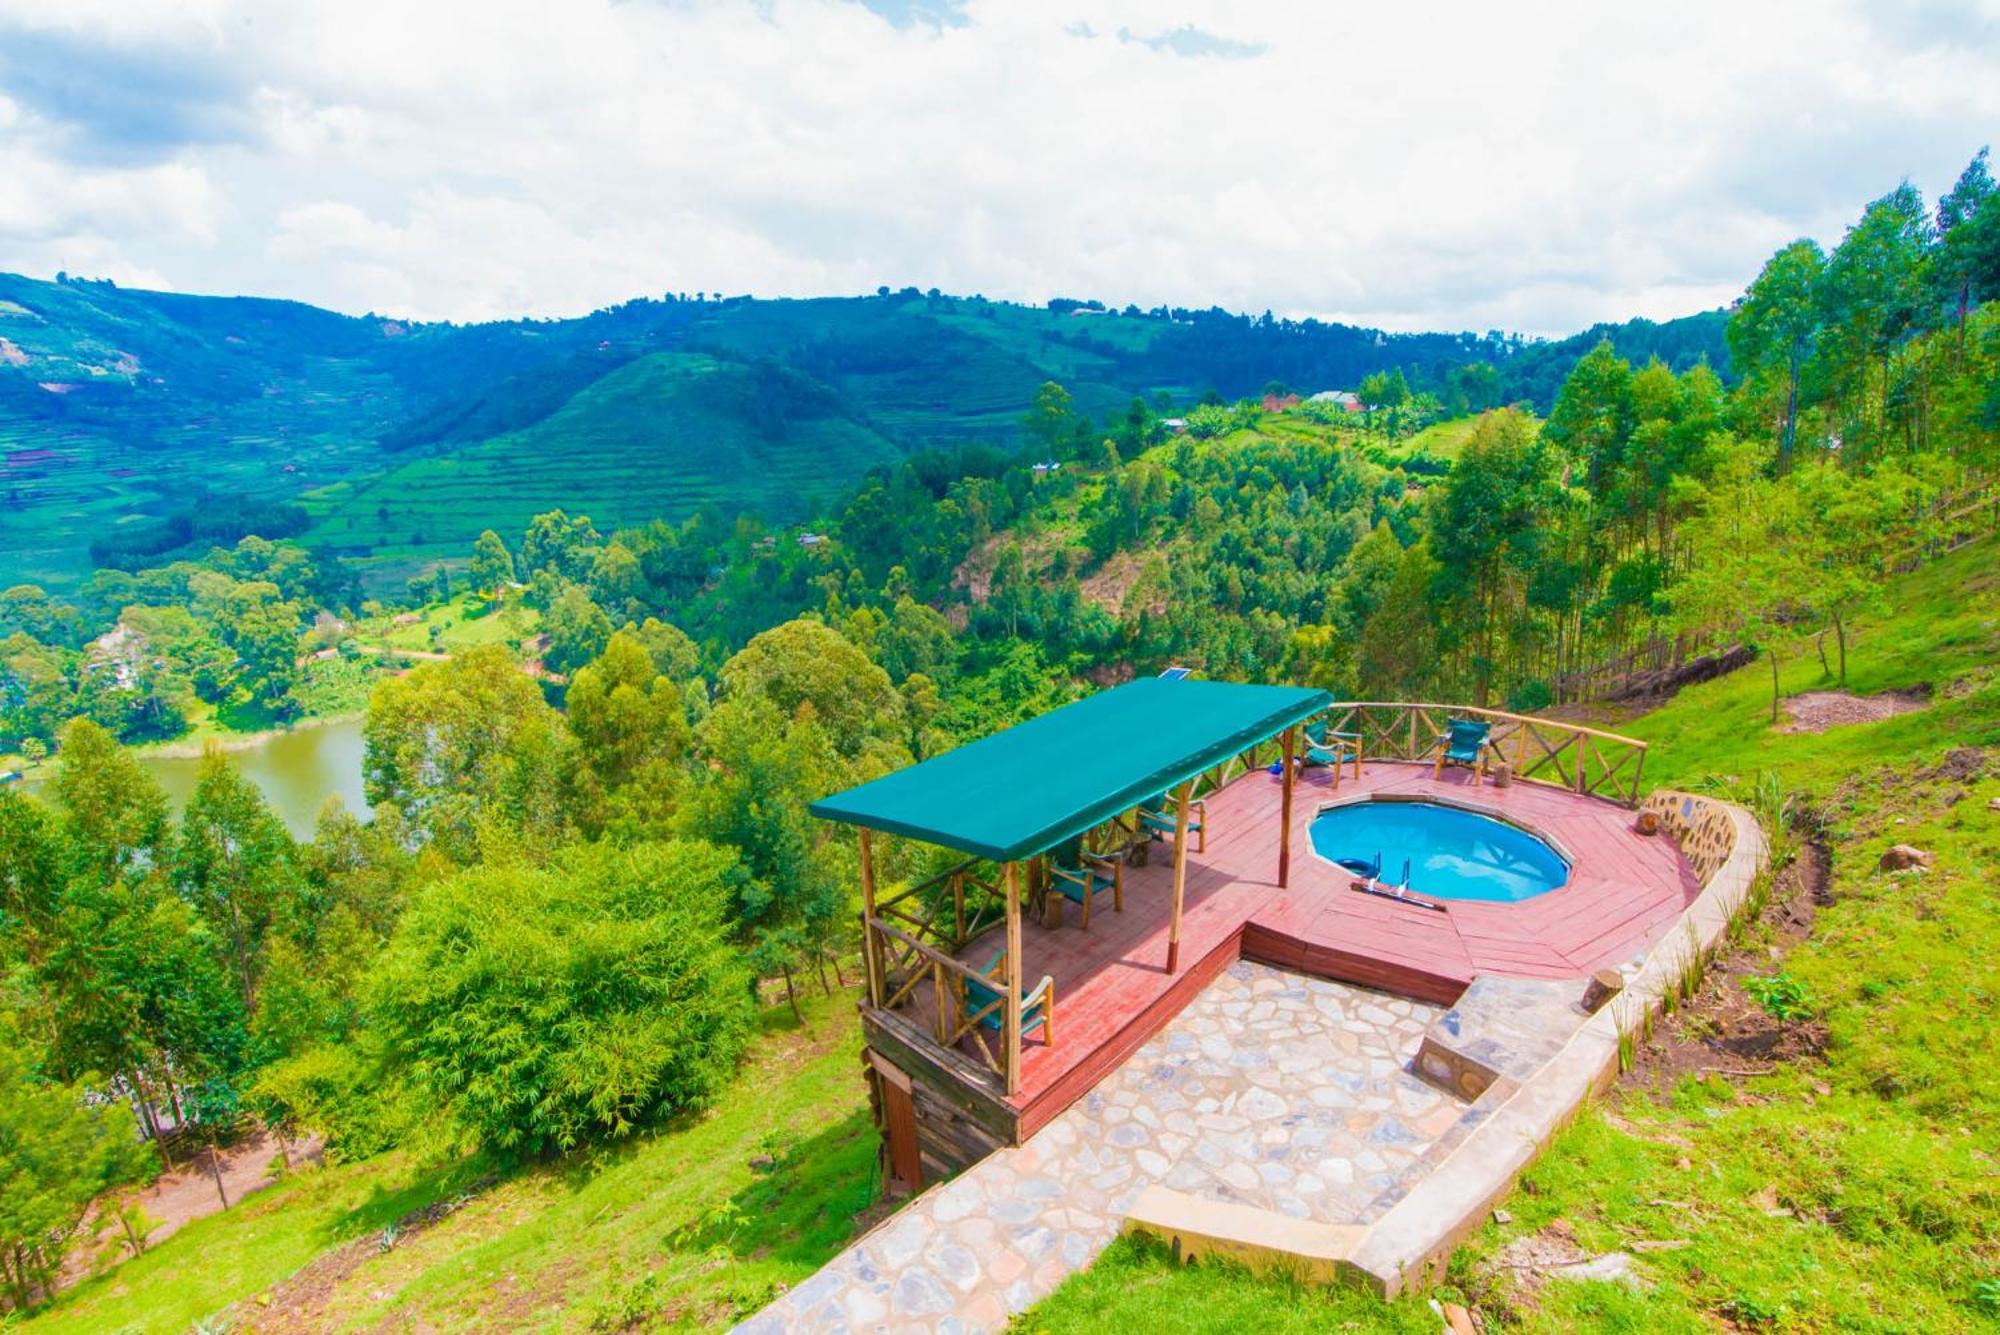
(1271, 1089)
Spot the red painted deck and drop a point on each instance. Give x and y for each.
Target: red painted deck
(1113, 991)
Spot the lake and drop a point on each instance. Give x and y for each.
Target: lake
(296, 771)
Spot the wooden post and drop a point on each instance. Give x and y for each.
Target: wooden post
(871, 948)
(1180, 878)
(1011, 875)
(1285, 809)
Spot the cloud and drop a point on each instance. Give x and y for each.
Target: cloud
(1538, 167)
(1188, 40)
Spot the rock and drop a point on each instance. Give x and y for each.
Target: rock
(1611, 1268)
(1458, 1321)
(1900, 857)
(1502, 1217)
(1603, 985)
(762, 1163)
(1993, 804)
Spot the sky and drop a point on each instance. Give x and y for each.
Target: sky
(1527, 166)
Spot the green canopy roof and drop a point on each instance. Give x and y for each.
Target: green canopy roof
(1027, 789)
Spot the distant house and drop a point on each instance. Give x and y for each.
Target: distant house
(1274, 403)
(1345, 399)
(812, 539)
(1047, 467)
(1175, 424)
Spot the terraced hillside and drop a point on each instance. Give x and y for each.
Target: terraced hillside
(123, 414)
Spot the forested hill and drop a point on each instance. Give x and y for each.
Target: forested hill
(136, 426)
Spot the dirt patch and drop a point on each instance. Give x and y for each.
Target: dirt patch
(1816, 711)
(1724, 1030)
(299, 1303)
(177, 1199)
(1110, 582)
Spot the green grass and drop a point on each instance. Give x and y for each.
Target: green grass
(1880, 1159)
(672, 1229)
(1135, 1286)
(658, 438)
(465, 622)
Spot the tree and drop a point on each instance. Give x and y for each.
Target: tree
(544, 1008)
(236, 864)
(459, 741)
(809, 670)
(1048, 423)
(560, 545)
(577, 627)
(760, 772)
(115, 812)
(492, 568)
(59, 1150)
(1774, 327)
(631, 727)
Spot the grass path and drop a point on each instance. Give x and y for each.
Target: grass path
(688, 1227)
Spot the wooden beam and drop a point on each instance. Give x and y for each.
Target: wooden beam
(1180, 877)
(1285, 809)
(1012, 875)
(871, 947)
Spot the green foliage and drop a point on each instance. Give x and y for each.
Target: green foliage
(545, 1007)
(58, 1151)
(1784, 996)
(458, 741)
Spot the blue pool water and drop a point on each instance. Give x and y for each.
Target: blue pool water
(1452, 853)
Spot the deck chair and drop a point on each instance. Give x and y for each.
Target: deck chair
(1465, 744)
(1078, 876)
(1038, 1007)
(1327, 747)
(1158, 817)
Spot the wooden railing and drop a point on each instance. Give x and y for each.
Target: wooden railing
(1539, 750)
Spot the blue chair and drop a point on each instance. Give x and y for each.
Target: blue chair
(1158, 816)
(1037, 1007)
(1078, 876)
(1324, 746)
(1465, 744)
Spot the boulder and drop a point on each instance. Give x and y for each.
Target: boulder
(1901, 857)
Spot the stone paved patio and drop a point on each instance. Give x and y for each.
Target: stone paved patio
(1271, 1089)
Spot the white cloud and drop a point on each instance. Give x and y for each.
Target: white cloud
(1528, 166)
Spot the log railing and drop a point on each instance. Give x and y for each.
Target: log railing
(1566, 755)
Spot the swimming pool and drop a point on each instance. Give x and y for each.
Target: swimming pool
(1451, 853)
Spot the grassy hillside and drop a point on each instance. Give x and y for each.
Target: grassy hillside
(660, 436)
(122, 410)
(692, 1226)
(1851, 1190)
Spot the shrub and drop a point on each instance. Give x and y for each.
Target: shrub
(542, 1008)
(1783, 996)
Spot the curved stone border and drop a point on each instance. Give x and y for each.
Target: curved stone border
(1409, 1246)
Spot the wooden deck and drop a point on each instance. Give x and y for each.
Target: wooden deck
(1113, 991)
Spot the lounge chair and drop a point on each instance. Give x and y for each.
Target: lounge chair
(1465, 744)
(1327, 747)
(1158, 817)
(1078, 876)
(1038, 1007)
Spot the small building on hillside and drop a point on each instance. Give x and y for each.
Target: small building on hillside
(1175, 424)
(1046, 467)
(1345, 399)
(1279, 403)
(810, 540)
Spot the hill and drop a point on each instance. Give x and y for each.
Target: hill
(128, 417)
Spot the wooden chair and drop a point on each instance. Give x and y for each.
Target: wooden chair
(1038, 1007)
(1465, 744)
(1158, 817)
(1326, 747)
(1078, 876)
